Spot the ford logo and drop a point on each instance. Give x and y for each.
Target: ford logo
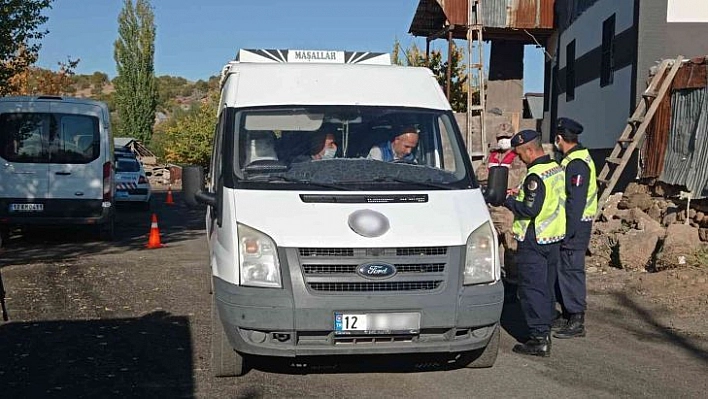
(376, 270)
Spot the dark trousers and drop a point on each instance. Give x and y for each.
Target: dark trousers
(571, 271)
(538, 265)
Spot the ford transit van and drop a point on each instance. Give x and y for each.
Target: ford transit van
(329, 232)
(56, 163)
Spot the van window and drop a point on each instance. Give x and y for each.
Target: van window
(49, 138)
(348, 147)
(127, 165)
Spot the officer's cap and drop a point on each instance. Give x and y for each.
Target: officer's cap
(570, 126)
(523, 137)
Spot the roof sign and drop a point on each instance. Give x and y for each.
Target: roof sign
(313, 56)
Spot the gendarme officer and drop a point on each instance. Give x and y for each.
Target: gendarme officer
(580, 208)
(539, 227)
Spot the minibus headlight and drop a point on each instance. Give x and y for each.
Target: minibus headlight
(258, 259)
(480, 257)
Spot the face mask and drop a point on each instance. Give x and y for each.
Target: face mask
(504, 144)
(557, 145)
(329, 153)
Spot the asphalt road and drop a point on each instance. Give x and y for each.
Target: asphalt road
(94, 319)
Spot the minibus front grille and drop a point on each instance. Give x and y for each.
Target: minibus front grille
(386, 286)
(360, 252)
(314, 269)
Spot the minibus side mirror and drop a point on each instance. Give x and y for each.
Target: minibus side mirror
(496, 185)
(193, 188)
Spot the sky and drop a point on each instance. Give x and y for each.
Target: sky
(195, 38)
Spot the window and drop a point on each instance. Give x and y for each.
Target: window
(367, 147)
(49, 138)
(608, 52)
(570, 71)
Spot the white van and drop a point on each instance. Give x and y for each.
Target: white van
(347, 255)
(56, 163)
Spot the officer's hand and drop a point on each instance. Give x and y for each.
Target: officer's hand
(512, 191)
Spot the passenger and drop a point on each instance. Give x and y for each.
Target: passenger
(399, 149)
(322, 146)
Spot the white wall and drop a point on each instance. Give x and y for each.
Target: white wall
(587, 29)
(602, 112)
(687, 11)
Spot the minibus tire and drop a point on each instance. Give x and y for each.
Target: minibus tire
(225, 361)
(484, 357)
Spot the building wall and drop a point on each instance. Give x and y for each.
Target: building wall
(602, 110)
(668, 28)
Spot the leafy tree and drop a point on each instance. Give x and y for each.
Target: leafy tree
(189, 138)
(34, 81)
(98, 80)
(135, 83)
(19, 20)
(413, 56)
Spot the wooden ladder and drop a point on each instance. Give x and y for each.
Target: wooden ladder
(475, 76)
(635, 130)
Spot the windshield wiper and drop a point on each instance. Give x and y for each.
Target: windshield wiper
(385, 179)
(307, 182)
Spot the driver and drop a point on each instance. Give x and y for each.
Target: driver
(399, 149)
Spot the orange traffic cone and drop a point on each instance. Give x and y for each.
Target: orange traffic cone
(154, 240)
(169, 200)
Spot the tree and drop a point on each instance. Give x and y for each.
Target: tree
(18, 35)
(135, 84)
(98, 80)
(35, 81)
(413, 56)
(189, 138)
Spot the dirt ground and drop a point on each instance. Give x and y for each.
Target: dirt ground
(679, 297)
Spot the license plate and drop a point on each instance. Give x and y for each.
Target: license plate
(26, 207)
(376, 323)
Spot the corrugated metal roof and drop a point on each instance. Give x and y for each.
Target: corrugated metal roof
(501, 18)
(687, 152)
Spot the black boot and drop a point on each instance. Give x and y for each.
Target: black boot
(559, 322)
(574, 328)
(535, 346)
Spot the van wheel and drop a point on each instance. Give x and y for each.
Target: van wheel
(225, 361)
(484, 357)
(107, 232)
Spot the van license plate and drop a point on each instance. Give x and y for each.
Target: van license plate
(26, 207)
(376, 323)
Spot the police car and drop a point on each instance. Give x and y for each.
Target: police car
(132, 184)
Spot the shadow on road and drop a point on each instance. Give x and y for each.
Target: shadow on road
(354, 364)
(176, 223)
(659, 331)
(512, 319)
(149, 356)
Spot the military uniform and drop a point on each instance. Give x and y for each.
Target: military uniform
(539, 227)
(581, 207)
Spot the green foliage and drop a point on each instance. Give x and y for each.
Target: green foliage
(135, 84)
(188, 139)
(413, 56)
(19, 20)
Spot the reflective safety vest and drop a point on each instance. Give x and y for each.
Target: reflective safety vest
(549, 225)
(591, 203)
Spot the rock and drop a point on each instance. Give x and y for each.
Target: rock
(641, 221)
(655, 213)
(699, 217)
(669, 218)
(681, 242)
(636, 248)
(610, 226)
(592, 269)
(610, 209)
(692, 213)
(703, 234)
(642, 201)
(636, 188)
(681, 216)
